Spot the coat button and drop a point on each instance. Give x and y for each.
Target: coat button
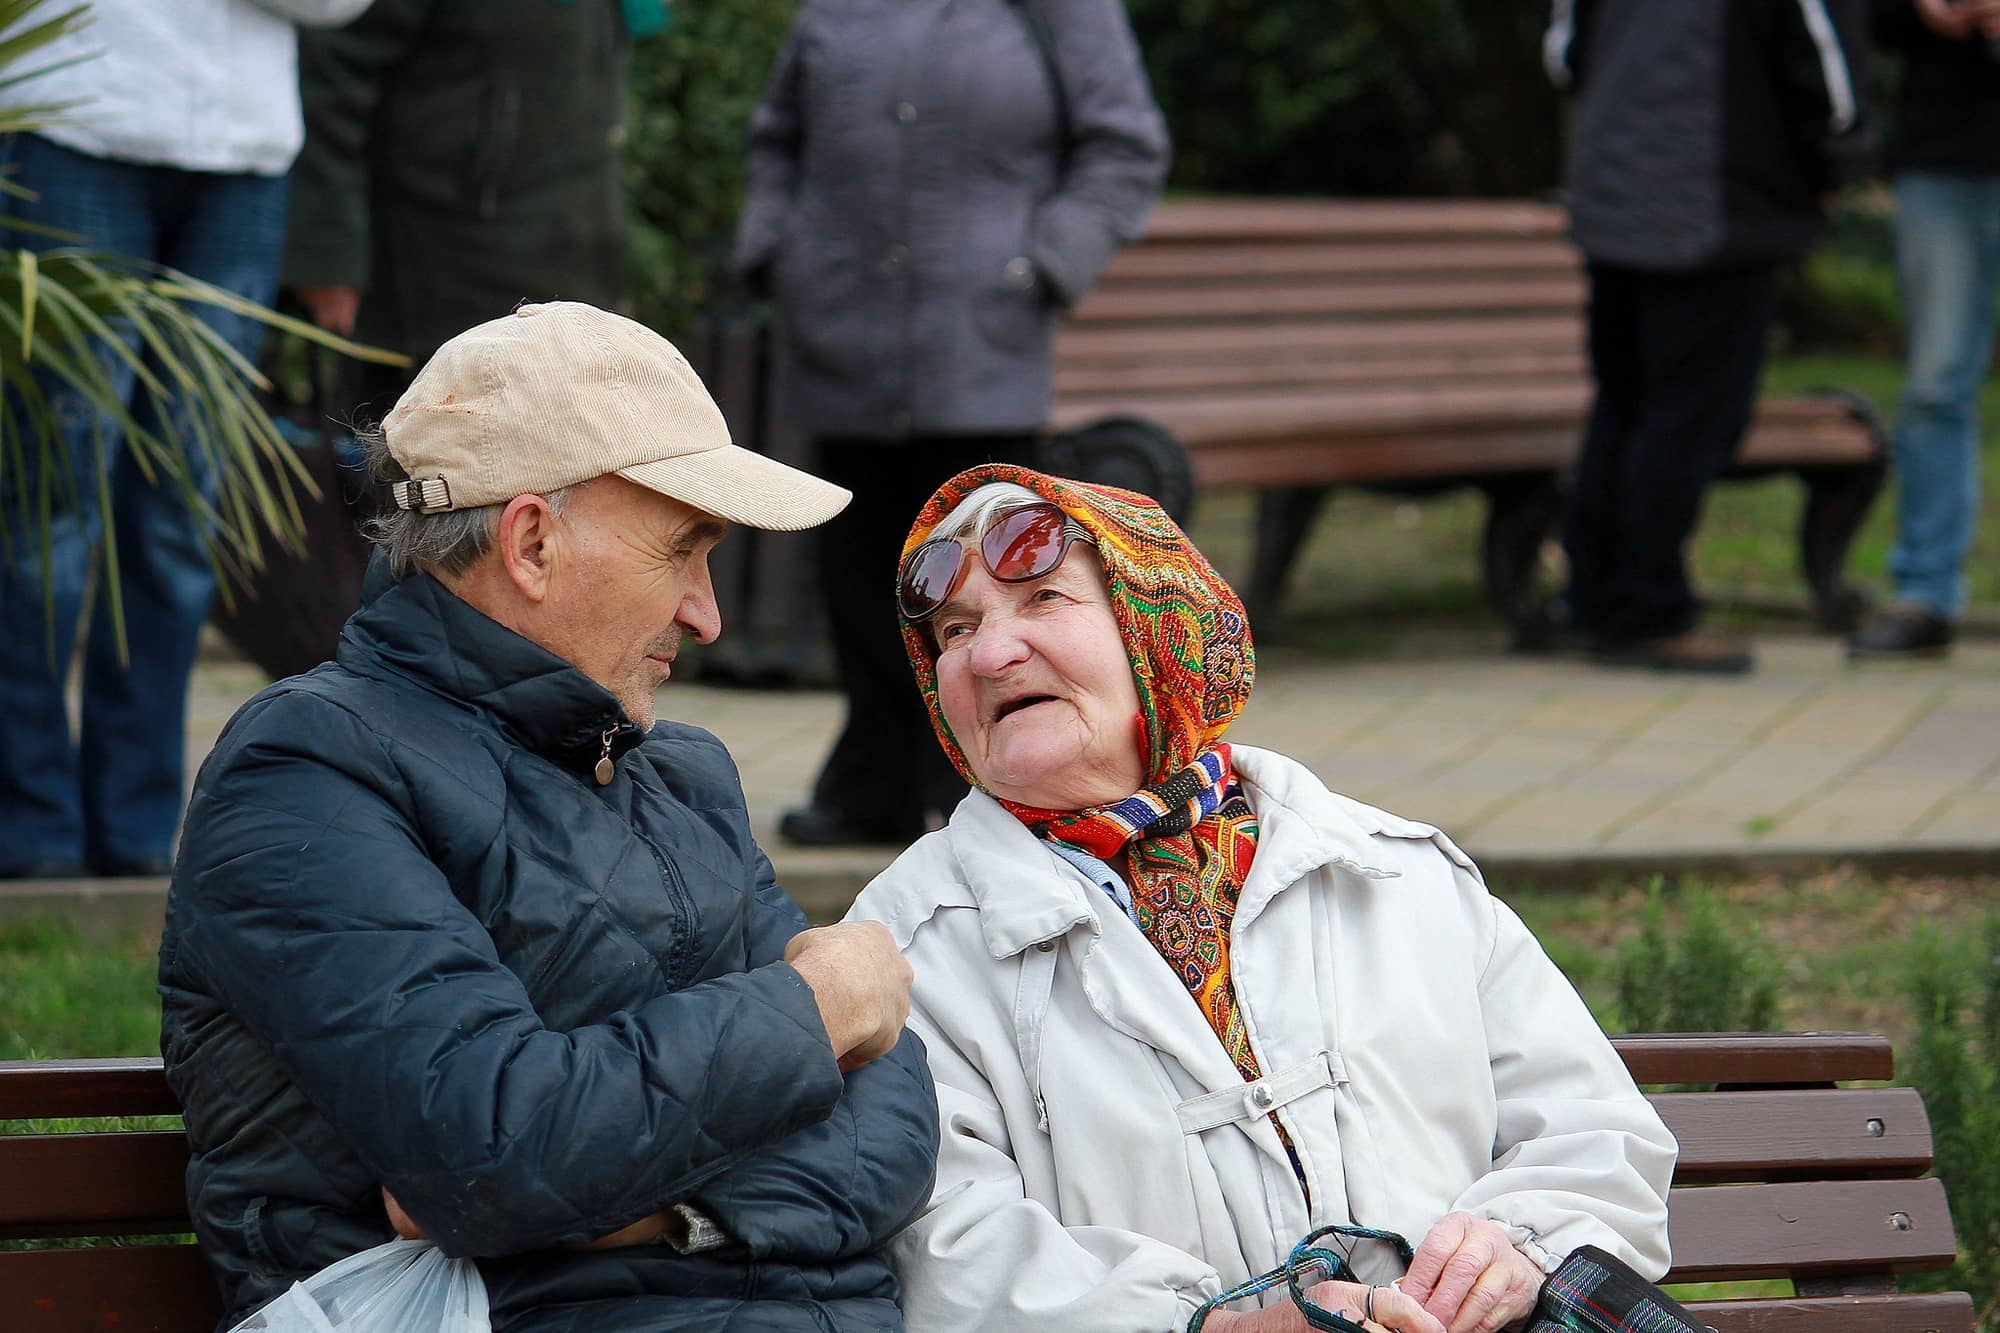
(1046, 946)
(1261, 1098)
(1020, 273)
(906, 113)
(895, 259)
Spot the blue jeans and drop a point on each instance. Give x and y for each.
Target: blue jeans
(110, 798)
(1947, 263)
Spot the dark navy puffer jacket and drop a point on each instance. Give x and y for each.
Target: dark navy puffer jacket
(412, 943)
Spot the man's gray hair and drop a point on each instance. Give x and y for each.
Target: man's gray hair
(446, 543)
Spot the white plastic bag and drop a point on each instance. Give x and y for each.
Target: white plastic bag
(405, 1286)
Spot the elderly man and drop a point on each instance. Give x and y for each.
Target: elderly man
(462, 943)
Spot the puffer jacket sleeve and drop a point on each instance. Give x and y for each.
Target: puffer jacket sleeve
(1580, 1156)
(1118, 154)
(315, 915)
(777, 131)
(984, 1256)
(843, 1187)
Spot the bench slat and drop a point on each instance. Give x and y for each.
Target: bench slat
(1276, 219)
(54, 1089)
(1723, 1233)
(1557, 367)
(1383, 339)
(1756, 1058)
(113, 1184)
(1233, 261)
(1282, 299)
(1797, 1134)
(130, 1289)
(1925, 1312)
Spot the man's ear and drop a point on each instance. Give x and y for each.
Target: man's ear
(530, 545)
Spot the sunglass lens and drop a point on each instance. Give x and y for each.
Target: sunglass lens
(928, 578)
(1025, 544)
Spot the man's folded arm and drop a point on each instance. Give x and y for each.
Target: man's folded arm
(843, 1187)
(315, 916)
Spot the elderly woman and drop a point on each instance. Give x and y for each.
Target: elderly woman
(1183, 1003)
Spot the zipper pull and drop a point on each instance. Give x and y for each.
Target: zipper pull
(604, 772)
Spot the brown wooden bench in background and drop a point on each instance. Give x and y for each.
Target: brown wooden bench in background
(1782, 1175)
(1298, 345)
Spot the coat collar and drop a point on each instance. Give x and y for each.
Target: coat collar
(420, 630)
(1025, 895)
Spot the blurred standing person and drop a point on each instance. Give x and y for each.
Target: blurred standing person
(1944, 153)
(1708, 135)
(931, 186)
(461, 157)
(183, 121)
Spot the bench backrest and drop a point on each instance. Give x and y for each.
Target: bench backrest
(1781, 1175)
(1421, 338)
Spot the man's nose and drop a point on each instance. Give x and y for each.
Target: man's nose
(699, 613)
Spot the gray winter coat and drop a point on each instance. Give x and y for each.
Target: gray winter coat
(1707, 131)
(917, 214)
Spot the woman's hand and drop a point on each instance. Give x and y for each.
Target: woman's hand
(1392, 1312)
(1470, 1276)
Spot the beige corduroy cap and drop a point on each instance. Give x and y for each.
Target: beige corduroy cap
(557, 393)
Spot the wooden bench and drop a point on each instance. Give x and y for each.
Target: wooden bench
(1294, 346)
(1781, 1175)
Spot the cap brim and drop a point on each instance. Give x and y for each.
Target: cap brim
(743, 487)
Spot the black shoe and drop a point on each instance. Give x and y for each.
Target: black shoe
(824, 826)
(1903, 631)
(1693, 652)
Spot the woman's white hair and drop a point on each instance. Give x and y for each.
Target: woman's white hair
(973, 510)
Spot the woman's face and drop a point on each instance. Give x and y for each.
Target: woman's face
(1037, 687)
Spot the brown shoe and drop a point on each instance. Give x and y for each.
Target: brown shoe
(1694, 651)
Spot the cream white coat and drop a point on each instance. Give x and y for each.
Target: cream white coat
(1105, 1168)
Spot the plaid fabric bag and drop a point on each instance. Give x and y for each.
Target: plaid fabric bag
(1591, 1292)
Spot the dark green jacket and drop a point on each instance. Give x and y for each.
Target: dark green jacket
(461, 156)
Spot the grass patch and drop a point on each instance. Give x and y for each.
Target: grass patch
(66, 994)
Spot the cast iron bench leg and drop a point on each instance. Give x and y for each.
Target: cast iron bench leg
(1522, 512)
(1837, 501)
(1285, 515)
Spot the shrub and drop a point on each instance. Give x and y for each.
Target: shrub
(1714, 975)
(1955, 993)
(693, 88)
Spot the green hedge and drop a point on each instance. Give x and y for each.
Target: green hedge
(692, 90)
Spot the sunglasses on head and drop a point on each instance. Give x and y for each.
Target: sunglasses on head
(1016, 544)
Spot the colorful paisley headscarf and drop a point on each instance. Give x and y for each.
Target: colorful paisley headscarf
(1187, 837)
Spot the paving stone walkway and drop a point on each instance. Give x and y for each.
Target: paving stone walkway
(1531, 765)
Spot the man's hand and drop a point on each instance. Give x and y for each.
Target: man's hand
(1389, 1311)
(1960, 20)
(399, 1219)
(862, 985)
(332, 308)
(1471, 1277)
(642, 1232)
